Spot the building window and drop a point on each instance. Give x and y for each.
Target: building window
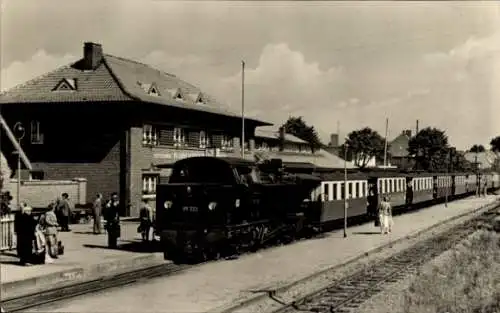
(227, 142)
(149, 182)
(36, 134)
(204, 143)
(179, 137)
(149, 135)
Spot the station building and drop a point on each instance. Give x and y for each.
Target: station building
(111, 120)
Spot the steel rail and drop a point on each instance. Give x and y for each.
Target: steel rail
(349, 292)
(41, 298)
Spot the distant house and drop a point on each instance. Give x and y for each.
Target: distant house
(271, 143)
(112, 120)
(398, 150)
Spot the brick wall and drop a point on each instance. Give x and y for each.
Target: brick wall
(141, 158)
(102, 176)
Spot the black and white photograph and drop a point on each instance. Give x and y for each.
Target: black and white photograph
(249, 156)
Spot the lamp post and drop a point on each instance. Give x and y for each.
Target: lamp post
(19, 132)
(346, 146)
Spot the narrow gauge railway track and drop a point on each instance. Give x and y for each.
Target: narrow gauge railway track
(37, 299)
(350, 292)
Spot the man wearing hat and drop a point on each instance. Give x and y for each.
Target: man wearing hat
(24, 226)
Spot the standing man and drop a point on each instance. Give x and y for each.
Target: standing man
(97, 212)
(64, 209)
(146, 220)
(24, 226)
(112, 217)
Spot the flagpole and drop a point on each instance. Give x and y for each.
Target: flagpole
(243, 109)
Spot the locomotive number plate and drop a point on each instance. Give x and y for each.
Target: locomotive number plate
(190, 209)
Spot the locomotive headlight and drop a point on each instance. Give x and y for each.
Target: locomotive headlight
(167, 204)
(212, 205)
(237, 203)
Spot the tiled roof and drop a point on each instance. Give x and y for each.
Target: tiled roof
(98, 85)
(115, 79)
(132, 75)
(266, 132)
(399, 146)
(320, 158)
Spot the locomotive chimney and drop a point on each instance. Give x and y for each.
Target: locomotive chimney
(281, 138)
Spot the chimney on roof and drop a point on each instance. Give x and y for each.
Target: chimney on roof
(281, 138)
(334, 140)
(92, 55)
(407, 132)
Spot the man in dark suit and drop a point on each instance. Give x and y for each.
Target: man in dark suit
(64, 210)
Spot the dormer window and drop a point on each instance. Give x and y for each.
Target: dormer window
(66, 84)
(176, 94)
(153, 91)
(150, 89)
(197, 98)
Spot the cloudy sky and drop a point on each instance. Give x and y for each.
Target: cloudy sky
(356, 63)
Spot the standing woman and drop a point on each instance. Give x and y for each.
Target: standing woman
(50, 226)
(24, 226)
(97, 212)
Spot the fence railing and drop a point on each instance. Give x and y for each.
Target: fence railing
(7, 234)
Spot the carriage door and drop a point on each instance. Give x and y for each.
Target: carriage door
(434, 187)
(372, 197)
(409, 191)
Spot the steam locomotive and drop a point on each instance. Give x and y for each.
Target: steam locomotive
(213, 206)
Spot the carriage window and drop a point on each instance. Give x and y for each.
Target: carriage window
(364, 189)
(342, 191)
(334, 197)
(379, 186)
(386, 183)
(358, 190)
(350, 190)
(326, 192)
(393, 187)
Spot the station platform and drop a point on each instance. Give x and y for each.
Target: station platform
(86, 256)
(217, 285)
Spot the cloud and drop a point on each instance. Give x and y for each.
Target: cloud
(455, 90)
(40, 63)
(283, 82)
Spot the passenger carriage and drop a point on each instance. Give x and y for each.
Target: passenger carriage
(459, 184)
(471, 183)
(329, 196)
(443, 186)
(422, 187)
(393, 185)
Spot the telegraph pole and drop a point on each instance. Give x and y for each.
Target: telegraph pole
(243, 109)
(345, 188)
(385, 144)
